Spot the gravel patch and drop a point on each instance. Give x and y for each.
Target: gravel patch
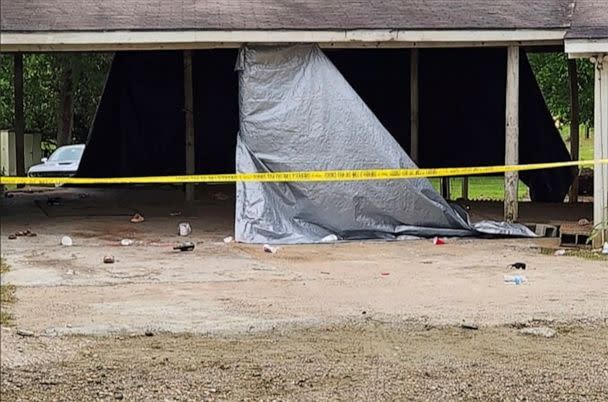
(352, 362)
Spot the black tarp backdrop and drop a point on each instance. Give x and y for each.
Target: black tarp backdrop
(139, 126)
(464, 116)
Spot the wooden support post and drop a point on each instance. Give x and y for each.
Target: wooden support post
(574, 126)
(465, 188)
(188, 109)
(512, 133)
(414, 105)
(600, 171)
(445, 188)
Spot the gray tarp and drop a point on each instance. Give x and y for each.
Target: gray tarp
(298, 113)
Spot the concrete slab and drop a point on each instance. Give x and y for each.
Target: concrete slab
(234, 287)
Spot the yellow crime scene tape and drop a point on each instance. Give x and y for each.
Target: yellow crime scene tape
(305, 176)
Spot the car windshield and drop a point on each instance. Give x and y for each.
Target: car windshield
(67, 154)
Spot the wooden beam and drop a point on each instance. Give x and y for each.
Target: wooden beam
(574, 126)
(600, 172)
(189, 122)
(512, 133)
(19, 124)
(414, 105)
(205, 39)
(465, 188)
(583, 48)
(445, 188)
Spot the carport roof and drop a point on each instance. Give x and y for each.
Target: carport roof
(83, 25)
(39, 16)
(590, 20)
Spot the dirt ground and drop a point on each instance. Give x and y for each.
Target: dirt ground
(343, 321)
(364, 360)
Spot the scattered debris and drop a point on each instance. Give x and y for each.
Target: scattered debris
(544, 230)
(573, 234)
(12, 237)
(24, 233)
(70, 272)
(270, 249)
(67, 241)
(262, 268)
(185, 246)
(184, 229)
(25, 332)
(228, 239)
(559, 253)
(385, 273)
(220, 196)
(137, 218)
(539, 331)
(515, 279)
(408, 237)
(329, 238)
(325, 272)
(126, 242)
(108, 259)
(149, 332)
(83, 195)
(518, 265)
(118, 395)
(605, 249)
(583, 222)
(438, 241)
(469, 325)
(176, 213)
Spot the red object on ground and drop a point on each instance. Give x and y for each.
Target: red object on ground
(385, 273)
(438, 242)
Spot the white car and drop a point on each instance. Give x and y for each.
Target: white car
(62, 163)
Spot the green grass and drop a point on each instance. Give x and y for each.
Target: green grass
(492, 187)
(586, 145)
(7, 295)
(482, 188)
(588, 255)
(3, 266)
(580, 253)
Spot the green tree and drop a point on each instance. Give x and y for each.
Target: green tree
(551, 70)
(47, 78)
(90, 78)
(39, 97)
